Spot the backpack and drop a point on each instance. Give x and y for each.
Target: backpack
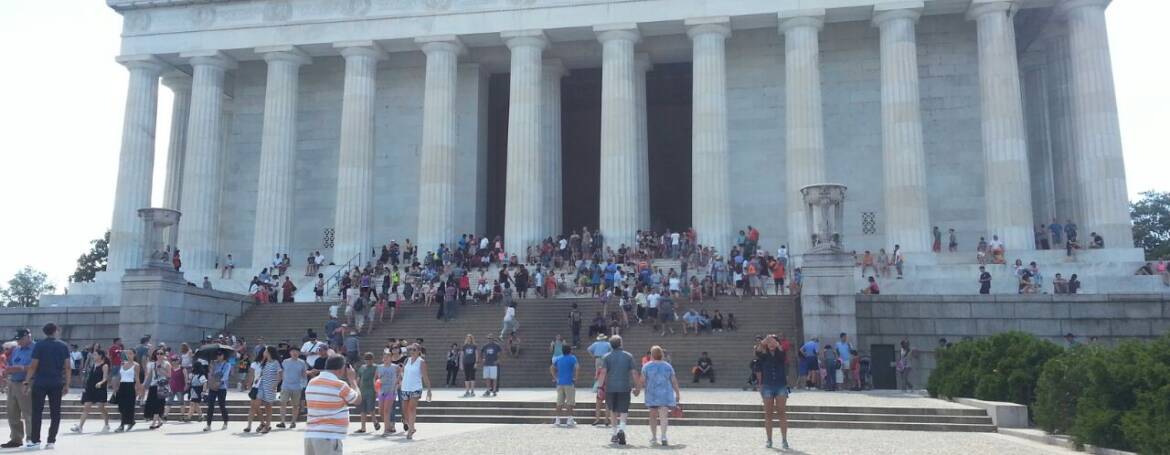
(831, 358)
(359, 304)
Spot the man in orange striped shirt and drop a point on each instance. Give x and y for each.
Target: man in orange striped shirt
(328, 399)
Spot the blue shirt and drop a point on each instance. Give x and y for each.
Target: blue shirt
(21, 357)
(659, 387)
(810, 349)
(773, 370)
(51, 355)
(566, 365)
(843, 352)
(600, 348)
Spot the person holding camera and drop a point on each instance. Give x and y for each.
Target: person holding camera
(772, 372)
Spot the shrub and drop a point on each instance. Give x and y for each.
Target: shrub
(1061, 383)
(1002, 367)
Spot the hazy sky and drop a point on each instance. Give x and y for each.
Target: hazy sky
(62, 97)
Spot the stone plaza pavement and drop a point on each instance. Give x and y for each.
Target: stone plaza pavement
(483, 439)
(451, 438)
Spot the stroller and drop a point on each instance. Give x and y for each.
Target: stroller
(865, 373)
(752, 382)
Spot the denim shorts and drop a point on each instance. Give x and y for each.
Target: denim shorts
(769, 391)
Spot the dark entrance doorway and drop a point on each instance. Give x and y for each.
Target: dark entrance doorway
(668, 128)
(881, 366)
(668, 100)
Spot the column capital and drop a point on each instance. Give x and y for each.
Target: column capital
(982, 7)
(441, 43)
(176, 80)
(642, 62)
(1068, 5)
(291, 54)
(802, 18)
(884, 13)
(143, 61)
(554, 67)
(525, 38)
(609, 32)
(703, 25)
(362, 48)
(210, 58)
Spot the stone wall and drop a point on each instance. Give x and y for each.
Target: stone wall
(887, 319)
(81, 325)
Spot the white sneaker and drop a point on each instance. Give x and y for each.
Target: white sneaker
(556, 422)
(75, 428)
(48, 446)
(572, 423)
(106, 428)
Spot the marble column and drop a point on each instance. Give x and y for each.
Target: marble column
(198, 233)
(710, 156)
(1096, 131)
(1039, 151)
(180, 85)
(1007, 185)
(353, 223)
(618, 217)
(552, 73)
(278, 152)
(803, 119)
(642, 62)
(436, 198)
(135, 163)
(1064, 163)
(524, 206)
(907, 216)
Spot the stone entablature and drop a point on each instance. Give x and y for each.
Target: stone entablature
(173, 26)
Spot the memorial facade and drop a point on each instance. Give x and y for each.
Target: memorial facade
(302, 125)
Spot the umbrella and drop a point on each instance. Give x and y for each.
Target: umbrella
(212, 350)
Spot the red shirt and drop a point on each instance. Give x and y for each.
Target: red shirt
(115, 354)
(754, 235)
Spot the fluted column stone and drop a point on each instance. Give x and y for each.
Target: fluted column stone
(1065, 176)
(135, 163)
(553, 71)
(180, 85)
(353, 225)
(1007, 184)
(436, 206)
(710, 154)
(524, 207)
(1096, 130)
(642, 65)
(618, 218)
(278, 149)
(803, 118)
(907, 215)
(198, 232)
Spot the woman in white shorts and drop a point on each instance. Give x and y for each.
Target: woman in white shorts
(414, 379)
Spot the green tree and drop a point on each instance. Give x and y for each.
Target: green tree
(1151, 223)
(26, 288)
(89, 264)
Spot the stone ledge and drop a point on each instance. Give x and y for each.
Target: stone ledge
(1059, 441)
(1003, 414)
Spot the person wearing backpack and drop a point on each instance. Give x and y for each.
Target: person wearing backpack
(831, 364)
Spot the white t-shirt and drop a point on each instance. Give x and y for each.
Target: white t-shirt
(483, 243)
(674, 281)
(320, 259)
(333, 310)
(674, 238)
(782, 252)
(563, 244)
(509, 314)
(256, 370)
(652, 301)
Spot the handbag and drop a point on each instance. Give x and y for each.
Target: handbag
(676, 412)
(162, 385)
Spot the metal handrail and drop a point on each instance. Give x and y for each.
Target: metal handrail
(334, 280)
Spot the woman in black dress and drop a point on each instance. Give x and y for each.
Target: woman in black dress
(96, 378)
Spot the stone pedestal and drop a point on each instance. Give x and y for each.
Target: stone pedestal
(827, 296)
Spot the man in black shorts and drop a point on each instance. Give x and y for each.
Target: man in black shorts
(619, 377)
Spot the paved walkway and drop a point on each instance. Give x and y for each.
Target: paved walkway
(485, 439)
(445, 439)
